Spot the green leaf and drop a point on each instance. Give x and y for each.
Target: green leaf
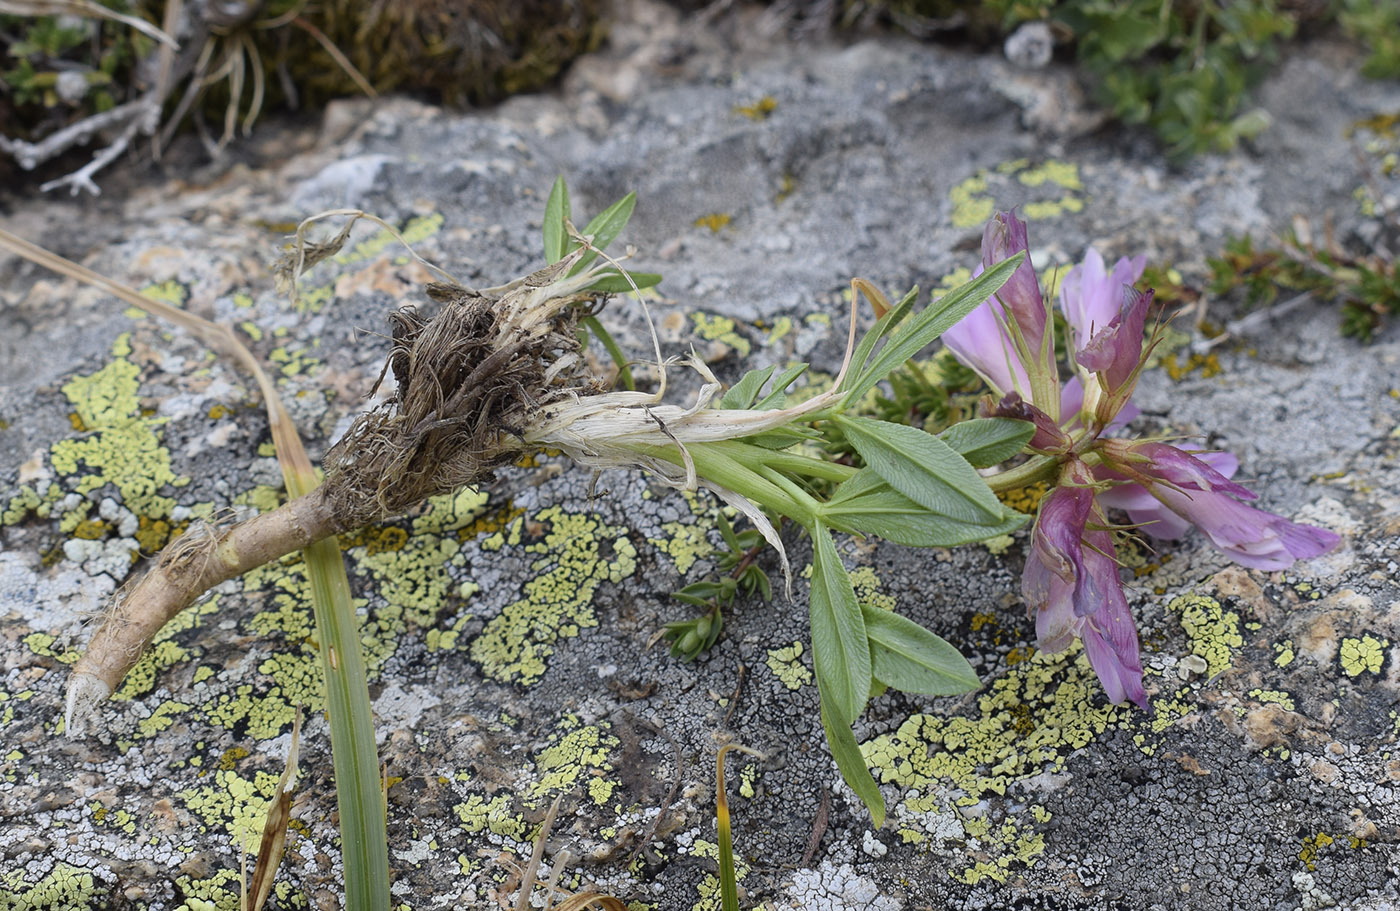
(883, 327)
(929, 324)
(605, 227)
(987, 441)
(849, 760)
(556, 210)
(908, 657)
(923, 468)
(742, 394)
(781, 437)
(866, 505)
(840, 650)
(614, 282)
(777, 396)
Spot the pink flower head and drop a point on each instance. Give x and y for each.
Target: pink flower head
(1115, 350)
(1196, 493)
(1071, 585)
(1091, 297)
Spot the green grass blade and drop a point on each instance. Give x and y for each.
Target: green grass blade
(556, 210)
(359, 794)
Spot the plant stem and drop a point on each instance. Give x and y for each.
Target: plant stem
(1039, 468)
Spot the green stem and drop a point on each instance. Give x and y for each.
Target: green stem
(715, 465)
(790, 462)
(1039, 468)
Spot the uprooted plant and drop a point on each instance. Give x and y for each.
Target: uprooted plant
(483, 376)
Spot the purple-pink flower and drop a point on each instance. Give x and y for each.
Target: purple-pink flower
(1091, 297)
(1005, 338)
(1071, 586)
(1195, 493)
(1071, 581)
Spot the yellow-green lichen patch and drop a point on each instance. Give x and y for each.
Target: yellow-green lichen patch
(1364, 655)
(164, 652)
(1283, 653)
(451, 512)
(1274, 697)
(781, 327)
(1179, 366)
(294, 669)
(477, 815)
(684, 544)
(218, 892)
(1312, 846)
(42, 644)
(578, 554)
(1018, 846)
(708, 891)
(121, 446)
(1060, 173)
(233, 804)
(293, 362)
(974, 200)
(25, 501)
(1034, 716)
(786, 664)
(414, 583)
(971, 207)
(168, 292)
(1213, 631)
(65, 886)
(577, 755)
(748, 777)
(867, 585)
(714, 328)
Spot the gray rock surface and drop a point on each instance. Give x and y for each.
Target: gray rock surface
(509, 635)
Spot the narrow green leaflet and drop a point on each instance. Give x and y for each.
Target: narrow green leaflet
(866, 505)
(929, 324)
(605, 227)
(923, 468)
(908, 657)
(987, 441)
(613, 282)
(777, 395)
(840, 650)
(883, 327)
(849, 760)
(556, 210)
(743, 393)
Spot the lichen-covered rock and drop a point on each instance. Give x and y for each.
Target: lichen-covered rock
(507, 630)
